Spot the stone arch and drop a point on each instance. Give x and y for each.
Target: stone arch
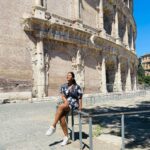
(130, 35)
(42, 3)
(126, 2)
(108, 19)
(110, 73)
(123, 72)
(122, 26)
(132, 74)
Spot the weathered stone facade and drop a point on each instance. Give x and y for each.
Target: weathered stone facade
(93, 38)
(145, 60)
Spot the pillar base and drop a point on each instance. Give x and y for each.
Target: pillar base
(103, 33)
(132, 50)
(126, 45)
(118, 40)
(117, 89)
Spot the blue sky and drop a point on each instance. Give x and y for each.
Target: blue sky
(142, 18)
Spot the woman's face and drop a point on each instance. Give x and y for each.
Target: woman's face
(69, 77)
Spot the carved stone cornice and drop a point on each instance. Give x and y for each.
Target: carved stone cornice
(61, 29)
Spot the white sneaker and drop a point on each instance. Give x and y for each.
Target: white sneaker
(65, 141)
(50, 131)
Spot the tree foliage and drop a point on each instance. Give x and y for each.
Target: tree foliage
(142, 79)
(141, 74)
(147, 80)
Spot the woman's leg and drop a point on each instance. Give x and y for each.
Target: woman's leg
(63, 123)
(61, 109)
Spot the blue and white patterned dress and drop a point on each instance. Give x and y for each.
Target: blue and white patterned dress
(72, 94)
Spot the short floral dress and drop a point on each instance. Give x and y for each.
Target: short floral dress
(72, 94)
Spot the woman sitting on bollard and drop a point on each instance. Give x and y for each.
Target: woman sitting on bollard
(71, 95)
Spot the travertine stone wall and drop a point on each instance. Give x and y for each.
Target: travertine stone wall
(15, 45)
(88, 13)
(41, 40)
(62, 8)
(92, 75)
(59, 64)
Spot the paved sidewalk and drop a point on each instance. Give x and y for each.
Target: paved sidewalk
(23, 126)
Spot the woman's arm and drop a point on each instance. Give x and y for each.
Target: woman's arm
(62, 92)
(64, 99)
(80, 104)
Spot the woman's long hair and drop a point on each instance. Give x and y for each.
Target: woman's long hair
(73, 76)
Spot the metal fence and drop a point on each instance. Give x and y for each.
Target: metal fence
(143, 87)
(80, 114)
(91, 116)
(94, 99)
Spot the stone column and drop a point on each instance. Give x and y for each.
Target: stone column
(113, 27)
(100, 18)
(132, 42)
(126, 37)
(103, 75)
(117, 27)
(34, 73)
(78, 68)
(135, 79)
(40, 9)
(128, 79)
(117, 82)
(40, 69)
(77, 10)
(47, 67)
(38, 3)
(41, 3)
(128, 4)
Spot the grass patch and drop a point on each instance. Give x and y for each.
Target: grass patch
(97, 131)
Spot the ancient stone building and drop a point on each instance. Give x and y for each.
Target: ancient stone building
(41, 40)
(145, 60)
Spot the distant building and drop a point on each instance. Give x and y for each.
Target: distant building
(145, 60)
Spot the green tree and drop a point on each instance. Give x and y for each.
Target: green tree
(147, 80)
(141, 74)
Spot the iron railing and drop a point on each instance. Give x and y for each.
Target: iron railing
(80, 114)
(95, 99)
(90, 116)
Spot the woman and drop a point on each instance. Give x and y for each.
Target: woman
(71, 95)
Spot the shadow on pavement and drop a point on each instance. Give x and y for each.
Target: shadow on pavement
(76, 134)
(137, 126)
(55, 143)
